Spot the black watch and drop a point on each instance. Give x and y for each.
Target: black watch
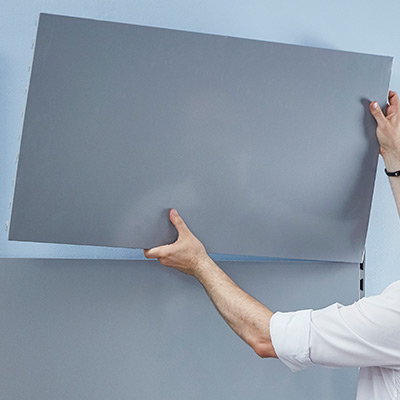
(396, 173)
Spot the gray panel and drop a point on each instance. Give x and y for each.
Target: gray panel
(266, 149)
(87, 329)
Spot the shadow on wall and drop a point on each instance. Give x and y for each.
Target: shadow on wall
(5, 156)
(3, 98)
(311, 40)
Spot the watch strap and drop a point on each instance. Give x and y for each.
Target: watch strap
(396, 173)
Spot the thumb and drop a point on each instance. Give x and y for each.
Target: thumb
(377, 112)
(178, 222)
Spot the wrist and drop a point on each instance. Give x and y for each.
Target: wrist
(391, 156)
(202, 267)
(392, 161)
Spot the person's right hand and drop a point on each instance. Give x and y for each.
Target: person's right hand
(388, 130)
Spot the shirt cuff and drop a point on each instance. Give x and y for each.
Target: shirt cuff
(290, 336)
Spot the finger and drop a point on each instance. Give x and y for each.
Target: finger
(394, 104)
(155, 252)
(393, 98)
(178, 222)
(377, 112)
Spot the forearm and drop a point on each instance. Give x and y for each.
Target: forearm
(388, 135)
(392, 163)
(246, 316)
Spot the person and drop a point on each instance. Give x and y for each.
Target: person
(365, 334)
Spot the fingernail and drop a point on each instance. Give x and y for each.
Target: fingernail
(374, 105)
(174, 213)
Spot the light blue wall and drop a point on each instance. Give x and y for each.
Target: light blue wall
(361, 26)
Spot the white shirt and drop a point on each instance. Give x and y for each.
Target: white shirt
(365, 334)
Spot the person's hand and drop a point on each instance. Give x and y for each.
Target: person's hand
(187, 254)
(388, 130)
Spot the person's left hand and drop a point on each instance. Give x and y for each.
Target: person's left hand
(187, 254)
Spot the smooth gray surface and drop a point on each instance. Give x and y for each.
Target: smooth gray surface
(96, 329)
(266, 149)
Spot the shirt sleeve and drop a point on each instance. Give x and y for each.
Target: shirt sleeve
(363, 334)
(290, 336)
